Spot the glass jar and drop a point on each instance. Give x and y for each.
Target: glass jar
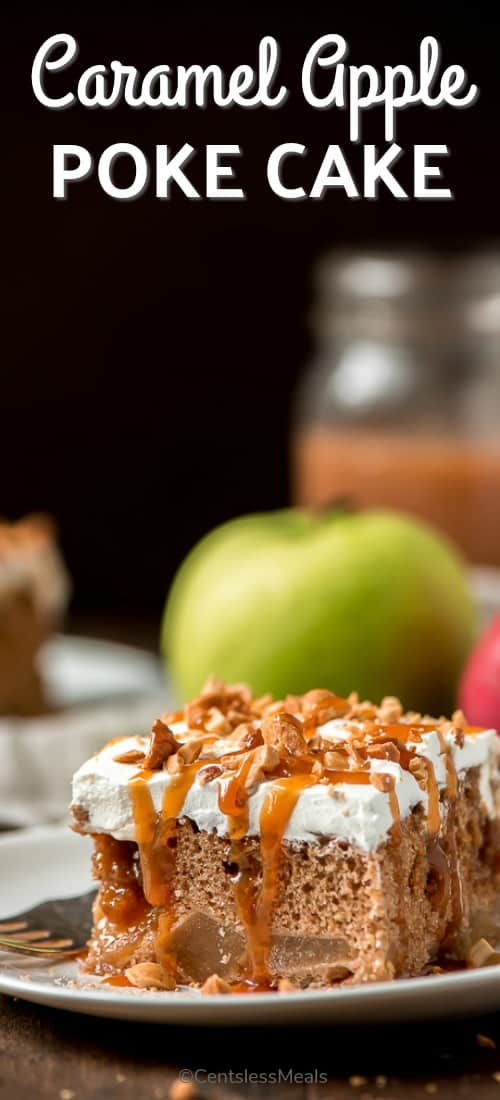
(400, 407)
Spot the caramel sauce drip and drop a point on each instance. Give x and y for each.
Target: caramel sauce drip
(121, 898)
(433, 810)
(233, 799)
(438, 865)
(155, 836)
(457, 900)
(256, 904)
(451, 771)
(396, 816)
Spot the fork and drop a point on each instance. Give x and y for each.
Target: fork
(57, 928)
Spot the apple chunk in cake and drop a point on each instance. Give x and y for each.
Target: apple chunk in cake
(311, 840)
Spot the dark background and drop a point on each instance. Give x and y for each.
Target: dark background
(151, 348)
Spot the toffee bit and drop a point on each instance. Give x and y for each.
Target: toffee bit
(320, 706)
(283, 732)
(482, 954)
(162, 744)
(386, 750)
(191, 750)
(213, 686)
(149, 975)
(264, 761)
(286, 986)
(133, 756)
(214, 984)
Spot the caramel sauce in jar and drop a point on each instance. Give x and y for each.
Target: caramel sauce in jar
(452, 484)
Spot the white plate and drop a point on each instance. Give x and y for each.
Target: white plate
(52, 862)
(103, 690)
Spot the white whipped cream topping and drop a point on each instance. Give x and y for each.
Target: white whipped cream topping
(360, 814)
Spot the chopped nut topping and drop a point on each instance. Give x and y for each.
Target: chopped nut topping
(419, 770)
(245, 737)
(174, 764)
(285, 986)
(386, 751)
(216, 722)
(390, 711)
(272, 731)
(265, 760)
(81, 817)
(214, 984)
(172, 716)
(190, 750)
(148, 975)
(211, 771)
(133, 756)
(240, 691)
(213, 686)
(459, 720)
(482, 954)
(284, 733)
(321, 706)
(336, 760)
(162, 744)
(258, 706)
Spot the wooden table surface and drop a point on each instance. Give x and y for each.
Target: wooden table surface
(48, 1053)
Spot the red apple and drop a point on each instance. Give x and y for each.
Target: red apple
(479, 695)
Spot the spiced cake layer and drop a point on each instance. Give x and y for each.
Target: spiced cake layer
(33, 596)
(310, 840)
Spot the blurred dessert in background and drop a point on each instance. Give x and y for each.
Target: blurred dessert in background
(401, 405)
(34, 590)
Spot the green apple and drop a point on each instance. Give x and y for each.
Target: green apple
(291, 600)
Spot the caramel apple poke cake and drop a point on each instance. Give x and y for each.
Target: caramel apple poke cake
(246, 843)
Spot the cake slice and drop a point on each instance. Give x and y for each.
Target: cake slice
(34, 589)
(246, 843)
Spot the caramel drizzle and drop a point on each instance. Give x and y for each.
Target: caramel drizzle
(451, 771)
(433, 807)
(256, 906)
(154, 835)
(233, 799)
